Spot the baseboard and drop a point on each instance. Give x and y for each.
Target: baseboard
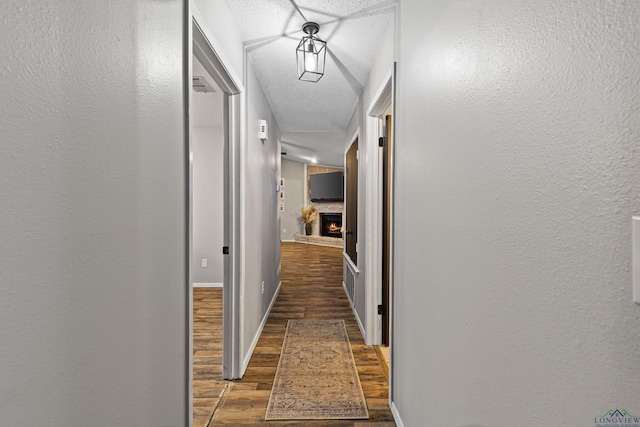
(207, 285)
(252, 347)
(355, 312)
(288, 241)
(396, 415)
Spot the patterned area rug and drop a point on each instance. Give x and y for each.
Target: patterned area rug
(316, 376)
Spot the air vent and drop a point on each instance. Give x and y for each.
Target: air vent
(200, 84)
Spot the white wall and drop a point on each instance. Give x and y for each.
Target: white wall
(293, 173)
(517, 176)
(208, 147)
(218, 24)
(93, 285)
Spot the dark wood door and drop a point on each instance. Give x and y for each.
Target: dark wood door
(351, 202)
(386, 226)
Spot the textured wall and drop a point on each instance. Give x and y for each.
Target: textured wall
(93, 286)
(517, 175)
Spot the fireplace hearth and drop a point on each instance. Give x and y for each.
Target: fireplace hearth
(331, 224)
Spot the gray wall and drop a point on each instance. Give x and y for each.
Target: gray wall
(93, 286)
(207, 203)
(517, 148)
(262, 222)
(293, 173)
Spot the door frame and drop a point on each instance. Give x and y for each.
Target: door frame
(381, 102)
(200, 46)
(347, 256)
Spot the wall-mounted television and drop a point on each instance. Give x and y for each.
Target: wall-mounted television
(326, 187)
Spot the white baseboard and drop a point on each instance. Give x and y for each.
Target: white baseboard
(396, 415)
(288, 241)
(252, 347)
(207, 285)
(355, 312)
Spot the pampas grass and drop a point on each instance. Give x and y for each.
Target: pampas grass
(308, 214)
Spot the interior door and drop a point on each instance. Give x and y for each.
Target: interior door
(351, 202)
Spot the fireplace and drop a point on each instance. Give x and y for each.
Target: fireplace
(331, 224)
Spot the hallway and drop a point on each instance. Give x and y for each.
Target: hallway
(311, 289)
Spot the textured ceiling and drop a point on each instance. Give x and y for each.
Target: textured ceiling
(312, 117)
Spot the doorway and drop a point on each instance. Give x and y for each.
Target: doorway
(207, 271)
(379, 214)
(225, 192)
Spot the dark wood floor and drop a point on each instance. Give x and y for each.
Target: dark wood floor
(311, 289)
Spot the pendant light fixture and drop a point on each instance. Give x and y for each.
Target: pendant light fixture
(311, 52)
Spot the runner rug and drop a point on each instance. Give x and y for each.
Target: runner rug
(316, 376)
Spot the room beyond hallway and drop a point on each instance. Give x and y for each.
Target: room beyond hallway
(311, 289)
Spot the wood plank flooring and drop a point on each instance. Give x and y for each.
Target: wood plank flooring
(208, 385)
(311, 289)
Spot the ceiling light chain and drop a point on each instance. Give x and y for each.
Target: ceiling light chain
(311, 54)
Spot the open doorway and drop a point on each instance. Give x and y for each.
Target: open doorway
(231, 89)
(207, 153)
(380, 143)
(207, 225)
(214, 205)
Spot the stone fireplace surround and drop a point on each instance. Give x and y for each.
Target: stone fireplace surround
(315, 237)
(322, 207)
(336, 208)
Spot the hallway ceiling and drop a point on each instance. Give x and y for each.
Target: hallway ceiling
(312, 117)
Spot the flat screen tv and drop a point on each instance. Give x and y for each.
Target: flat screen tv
(327, 187)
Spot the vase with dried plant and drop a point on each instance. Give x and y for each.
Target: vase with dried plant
(308, 214)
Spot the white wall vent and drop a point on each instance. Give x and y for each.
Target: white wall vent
(200, 84)
(350, 283)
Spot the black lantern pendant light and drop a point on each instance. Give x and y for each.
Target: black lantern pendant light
(311, 52)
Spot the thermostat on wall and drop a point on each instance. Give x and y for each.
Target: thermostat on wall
(264, 131)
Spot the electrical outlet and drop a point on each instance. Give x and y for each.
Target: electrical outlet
(204, 263)
(263, 286)
(284, 231)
